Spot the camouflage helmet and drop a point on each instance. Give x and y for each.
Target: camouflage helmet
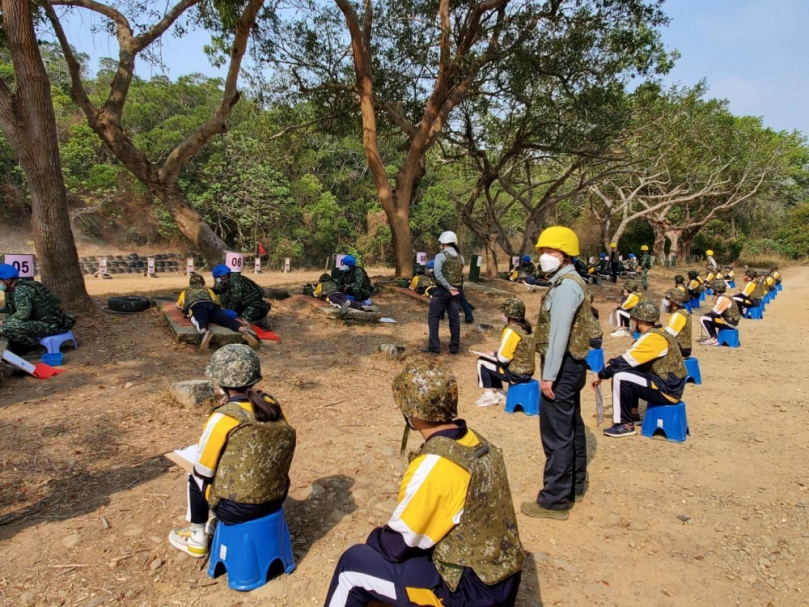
(719, 286)
(645, 311)
(679, 279)
(234, 366)
(324, 277)
(427, 391)
(751, 273)
(677, 296)
(513, 308)
(631, 286)
(196, 280)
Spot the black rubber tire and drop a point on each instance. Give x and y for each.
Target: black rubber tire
(129, 303)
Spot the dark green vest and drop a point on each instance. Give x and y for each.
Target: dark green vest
(670, 364)
(585, 325)
(327, 288)
(523, 362)
(731, 314)
(254, 467)
(487, 539)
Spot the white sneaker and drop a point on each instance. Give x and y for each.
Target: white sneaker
(620, 333)
(501, 396)
(185, 540)
(487, 400)
(711, 341)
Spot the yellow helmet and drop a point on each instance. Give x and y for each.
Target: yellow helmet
(559, 238)
(709, 253)
(613, 245)
(644, 248)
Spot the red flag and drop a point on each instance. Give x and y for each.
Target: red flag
(260, 250)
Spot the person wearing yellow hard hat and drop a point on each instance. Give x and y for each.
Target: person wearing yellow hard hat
(614, 259)
(712, 265)
(645, 266)
(562, 335)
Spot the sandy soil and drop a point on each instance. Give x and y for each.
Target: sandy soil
(86, 500)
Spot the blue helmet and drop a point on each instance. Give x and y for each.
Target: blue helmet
(350, 261)
(220, 271)
(602, 256)
(631, 256)
(431, 264)
(8, 272)
(526, 258)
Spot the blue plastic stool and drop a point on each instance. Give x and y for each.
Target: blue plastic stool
(754, 313)
(247, 550)
(231, 314)
(695, 304)
(702, 296)
(779, 287)
(707, 292)
(687, 306)
(694, 374)
(728, 337)
(668, 420)
(525, 396)
(732, 284)
(595, 359)
(53, 343)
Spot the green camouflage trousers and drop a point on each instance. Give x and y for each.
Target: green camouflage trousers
(643, 279)
(24, 335)
(255, 312)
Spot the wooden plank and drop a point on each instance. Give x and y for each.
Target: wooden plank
(330, 312)
(393, 288)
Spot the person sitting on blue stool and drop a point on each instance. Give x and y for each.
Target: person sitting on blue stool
(453, 539)
(243, 456)
(724, 315)
(513, 362)
(746, 298)
(679, 324)
(631, 299)
(776, 275)
(652, 370)
(694, 285)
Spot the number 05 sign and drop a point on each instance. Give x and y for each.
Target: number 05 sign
(23, 263)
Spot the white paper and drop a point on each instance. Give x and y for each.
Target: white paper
(386, 320)
(487, 355)
(189, 453)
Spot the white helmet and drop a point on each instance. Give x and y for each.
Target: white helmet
(448, 238)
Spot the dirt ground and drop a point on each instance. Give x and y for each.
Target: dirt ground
(87, 500)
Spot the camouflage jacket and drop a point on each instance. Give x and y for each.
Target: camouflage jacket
(355, 281)
(254, 466)
(30, 300)
(238, 293)
(585, 324)
(487, 539)
(327, 287)
(731, 314)
(423, 282)
(194, 295)
(645, 261)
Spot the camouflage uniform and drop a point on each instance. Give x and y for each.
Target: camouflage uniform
(32, 312)
(423, 283)
(585, 325)
(243, 296)
(477, 551)
(327, 286)
(355, 281)
(645, 265)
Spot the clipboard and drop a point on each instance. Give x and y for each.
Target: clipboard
(184, 458)
(486, 355)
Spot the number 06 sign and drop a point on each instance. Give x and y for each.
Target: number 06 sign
(234, 261)
(24, 264)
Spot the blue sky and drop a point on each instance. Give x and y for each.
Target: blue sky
(752, 52)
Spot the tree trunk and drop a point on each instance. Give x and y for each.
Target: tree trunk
(28, 121)
(684, 251)
(659, 246)
(400, 239)
(674, 238)
(191, 224)
(492, 269)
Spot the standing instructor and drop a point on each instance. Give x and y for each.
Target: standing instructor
(448, 275)
(563, 339)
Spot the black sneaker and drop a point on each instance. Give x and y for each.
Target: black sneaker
(429, 351)
(620, 431)
(469, 321)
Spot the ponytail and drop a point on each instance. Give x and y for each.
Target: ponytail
(263, 410)
(526, 326)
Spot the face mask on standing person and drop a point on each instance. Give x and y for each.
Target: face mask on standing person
(549, 263)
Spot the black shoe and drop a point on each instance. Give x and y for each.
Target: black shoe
(428, 351)
(469, 321)
(453, 352)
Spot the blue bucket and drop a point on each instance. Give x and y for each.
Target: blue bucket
(53, 360)
(231, 314)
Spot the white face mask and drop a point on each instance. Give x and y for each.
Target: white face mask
(549, 263)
